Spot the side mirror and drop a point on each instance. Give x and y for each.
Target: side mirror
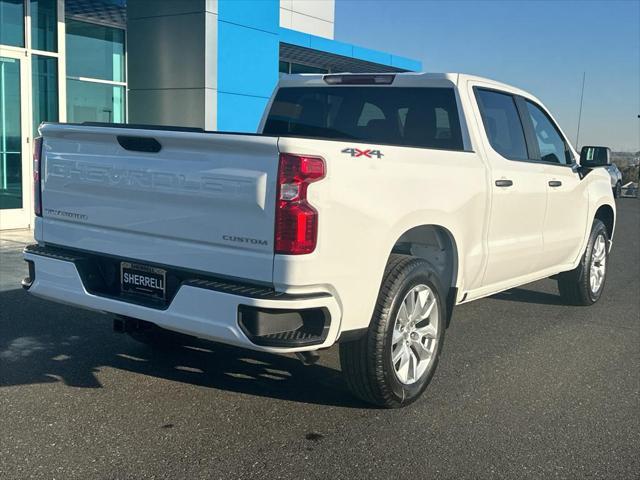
(595, 157)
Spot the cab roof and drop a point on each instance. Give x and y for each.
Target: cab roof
(403, 79)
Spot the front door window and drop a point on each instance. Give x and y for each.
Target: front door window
(550, 142)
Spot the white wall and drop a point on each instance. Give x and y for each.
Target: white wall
(316, 17)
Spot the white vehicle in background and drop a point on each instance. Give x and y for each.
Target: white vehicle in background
(367, 207)
(616, 179)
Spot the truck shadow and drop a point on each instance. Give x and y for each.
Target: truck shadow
(43, 342)
(529, 296)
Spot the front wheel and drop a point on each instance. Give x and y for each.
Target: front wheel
(584, 284)
(394, 362)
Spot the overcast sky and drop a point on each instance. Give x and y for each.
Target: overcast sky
(542, 46)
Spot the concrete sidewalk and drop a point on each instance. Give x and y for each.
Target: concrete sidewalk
(12, 239)
(12, 267)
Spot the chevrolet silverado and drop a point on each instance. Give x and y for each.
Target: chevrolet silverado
(363, 211)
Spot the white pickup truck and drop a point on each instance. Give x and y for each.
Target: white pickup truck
(367, 207)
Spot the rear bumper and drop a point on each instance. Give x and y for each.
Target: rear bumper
(209, 310)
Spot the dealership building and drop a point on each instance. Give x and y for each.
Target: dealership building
(210, 64)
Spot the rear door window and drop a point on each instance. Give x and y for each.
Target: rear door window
(502, 124)
(415, 117)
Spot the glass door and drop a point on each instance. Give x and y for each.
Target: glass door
(15, 165)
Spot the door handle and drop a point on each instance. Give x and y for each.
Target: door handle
(555, 183)
(504, 183)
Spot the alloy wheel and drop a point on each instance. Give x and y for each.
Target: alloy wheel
(415, 334)
(597, 270)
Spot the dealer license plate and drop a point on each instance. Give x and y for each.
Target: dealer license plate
(143, 280)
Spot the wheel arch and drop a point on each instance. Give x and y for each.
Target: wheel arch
(606, 214)
(437, 245)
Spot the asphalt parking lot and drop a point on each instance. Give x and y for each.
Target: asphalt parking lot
(526, 388)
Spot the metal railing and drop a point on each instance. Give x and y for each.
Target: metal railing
(629, 190)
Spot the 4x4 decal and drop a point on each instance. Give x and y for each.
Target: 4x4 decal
(356, 152)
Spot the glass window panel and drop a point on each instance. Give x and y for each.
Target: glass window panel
(550, 142)
(94, 102)
(95, 51)
(370, 112)
(10, 135)
(502, 124)
(12, 22)
(416, 117)
(283, 68)
(44, 24)
(45, 90)
(299, 68)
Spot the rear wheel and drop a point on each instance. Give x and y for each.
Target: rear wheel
(584, 284)
(394, 362)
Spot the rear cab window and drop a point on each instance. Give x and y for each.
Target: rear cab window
(425, 117)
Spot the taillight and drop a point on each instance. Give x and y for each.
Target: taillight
(37, 176)
(296, 230)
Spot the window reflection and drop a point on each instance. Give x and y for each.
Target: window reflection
(45, 90)
(12, 22)
(94, 51)
(10, 135)
(94, 102)
(44, 20)
(95, 73)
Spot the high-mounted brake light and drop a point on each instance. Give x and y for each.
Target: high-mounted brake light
(37, 176)
(359, 79)
(296, 231)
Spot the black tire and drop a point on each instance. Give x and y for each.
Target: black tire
(575, 286)
(366, 363)
(617, 191)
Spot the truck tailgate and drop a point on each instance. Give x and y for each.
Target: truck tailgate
(204, 201)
